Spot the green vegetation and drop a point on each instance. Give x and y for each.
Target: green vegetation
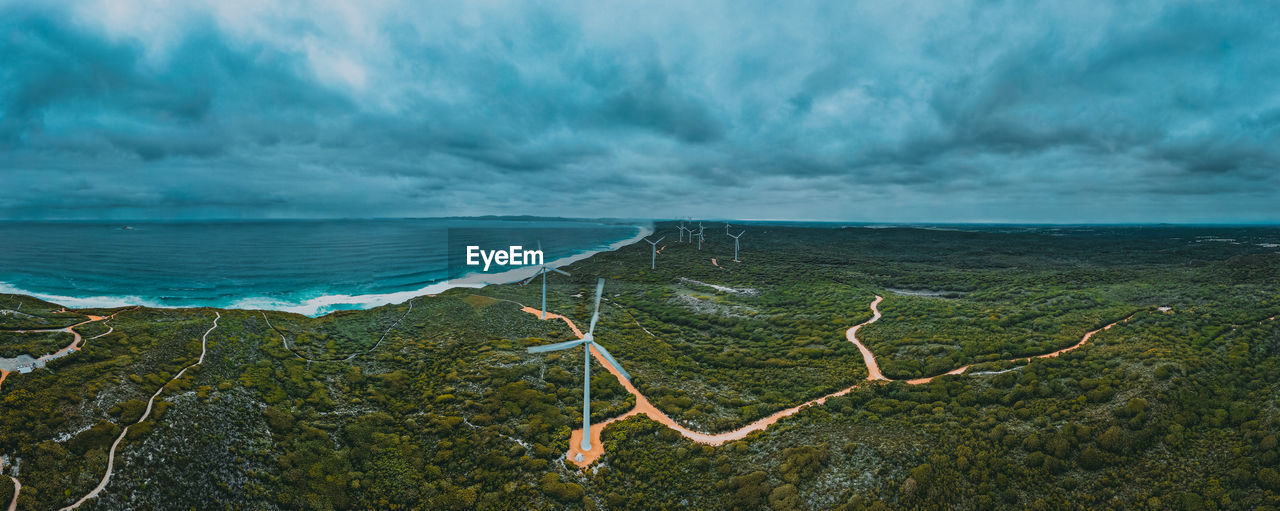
(35, 344)
(27, 313)
(6, 490)
(335, 336)
(90, 330)
(1170, 410)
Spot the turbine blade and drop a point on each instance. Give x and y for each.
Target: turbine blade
(530, 279)
(557, 270)
(609, 356)
(595, 313)
(659, 240)
(556, 347)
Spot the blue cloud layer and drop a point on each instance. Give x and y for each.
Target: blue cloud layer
(919, 112)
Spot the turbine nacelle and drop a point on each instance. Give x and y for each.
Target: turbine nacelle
(543, 272)
(587, 339)
(735, 243)
(589, 342)
(653, 259)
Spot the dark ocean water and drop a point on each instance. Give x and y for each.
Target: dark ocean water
(304, 266)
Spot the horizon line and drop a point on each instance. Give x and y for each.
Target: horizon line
(1237, 223)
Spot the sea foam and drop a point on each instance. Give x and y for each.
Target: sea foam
(324, 304)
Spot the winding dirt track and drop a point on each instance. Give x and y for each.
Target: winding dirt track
(76, 340)
(585, 458)
(17, 488)
(108, 332)
(111, 455)
(285, 340)
(74, 346)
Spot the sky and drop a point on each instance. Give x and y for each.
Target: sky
(950, 111)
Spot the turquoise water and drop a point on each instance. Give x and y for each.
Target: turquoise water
(303, 266)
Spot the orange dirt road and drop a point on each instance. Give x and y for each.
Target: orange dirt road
(75, 341)
(584, 459)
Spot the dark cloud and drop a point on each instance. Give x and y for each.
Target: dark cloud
(859, 111)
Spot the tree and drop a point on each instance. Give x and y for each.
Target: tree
(1092, 458)
(750, 489)
(1114, 439)
(1268, 478)
(784, 497)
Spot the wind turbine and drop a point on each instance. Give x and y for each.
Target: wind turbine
(735, 244)
(653, 258)
(588, 341)
(543, 271)
(682, 229)
(700, 236)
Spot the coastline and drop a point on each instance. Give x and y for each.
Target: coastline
(325, 304)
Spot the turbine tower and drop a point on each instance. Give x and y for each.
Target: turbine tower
(543, 271)
(735, 244)
(588, 341)
(653, 258)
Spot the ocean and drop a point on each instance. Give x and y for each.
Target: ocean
(307, 266)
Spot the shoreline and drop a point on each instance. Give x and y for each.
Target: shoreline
(324, 304)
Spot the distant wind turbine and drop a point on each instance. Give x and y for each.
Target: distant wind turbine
(653, 258)
(588, 341)
(735, 244)
(682, 229)
(543, 271)
(700, 236)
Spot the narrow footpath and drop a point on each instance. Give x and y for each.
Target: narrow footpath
(111, 455)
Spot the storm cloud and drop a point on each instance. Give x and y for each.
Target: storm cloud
(928, 111)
